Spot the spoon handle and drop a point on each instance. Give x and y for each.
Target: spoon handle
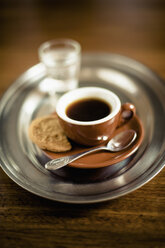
(58, 163)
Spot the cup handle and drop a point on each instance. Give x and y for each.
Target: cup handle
(128, 111)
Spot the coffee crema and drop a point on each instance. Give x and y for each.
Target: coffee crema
(88, 109)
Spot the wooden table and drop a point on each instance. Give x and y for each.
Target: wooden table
(132, 28)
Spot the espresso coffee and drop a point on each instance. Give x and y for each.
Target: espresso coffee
(88, 109)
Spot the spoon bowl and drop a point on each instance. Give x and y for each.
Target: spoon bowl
(122, 141)
(118, 143)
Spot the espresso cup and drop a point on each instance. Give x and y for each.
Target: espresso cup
(90, 115)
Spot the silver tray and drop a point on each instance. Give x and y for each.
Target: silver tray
(25, 99)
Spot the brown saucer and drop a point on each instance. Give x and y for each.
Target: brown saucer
(104, 158)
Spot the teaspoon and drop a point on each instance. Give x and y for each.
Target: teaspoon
(118, 143)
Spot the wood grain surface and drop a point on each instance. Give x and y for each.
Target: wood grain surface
(134, 28)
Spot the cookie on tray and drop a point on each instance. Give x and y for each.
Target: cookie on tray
(47, 133)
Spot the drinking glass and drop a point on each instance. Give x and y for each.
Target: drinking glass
(61, 58)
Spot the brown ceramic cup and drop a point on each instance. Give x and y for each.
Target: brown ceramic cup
(92, 133)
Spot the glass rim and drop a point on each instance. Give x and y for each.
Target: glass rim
(66, 41)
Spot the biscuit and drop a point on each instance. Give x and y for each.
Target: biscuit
(47, 133)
